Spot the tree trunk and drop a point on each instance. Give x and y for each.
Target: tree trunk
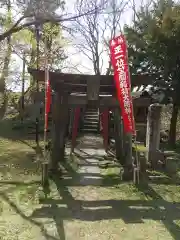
(5, 69)
(27, 95)
(172, 132)
(32, 64)
(22, 91)
(4, 75)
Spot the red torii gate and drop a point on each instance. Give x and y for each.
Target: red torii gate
(99, 91)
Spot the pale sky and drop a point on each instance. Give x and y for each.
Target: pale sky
(76, 58)
(79, 59)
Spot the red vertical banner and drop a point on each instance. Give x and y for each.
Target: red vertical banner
(119, 59)
(105, 127)
(75, 127)
(47, 102)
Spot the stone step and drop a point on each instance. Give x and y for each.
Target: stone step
(91, 115)
(94, 121)
(89, 121)
(87, 130)
(89, 126)
(91, 110)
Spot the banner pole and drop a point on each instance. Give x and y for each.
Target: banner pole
(119, 59)
(136, 163)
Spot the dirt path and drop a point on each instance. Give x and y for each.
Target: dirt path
(85, 205)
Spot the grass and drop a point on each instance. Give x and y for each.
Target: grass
(140, 147)
(160, 198)
(110, 210)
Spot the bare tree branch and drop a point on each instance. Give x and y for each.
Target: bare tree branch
(16, 28)
(95, 31)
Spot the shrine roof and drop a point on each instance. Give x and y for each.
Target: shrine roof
(80, 80)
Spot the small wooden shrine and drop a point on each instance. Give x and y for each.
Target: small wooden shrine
(75, 90)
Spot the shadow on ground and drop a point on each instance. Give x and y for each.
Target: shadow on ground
(19, 212)
(130, 211)
(67, 207)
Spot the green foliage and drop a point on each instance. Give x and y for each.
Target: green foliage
(13, 98)
(24, 43)
(52, 36)
(154, 44)
(50, 29)
(25, 37)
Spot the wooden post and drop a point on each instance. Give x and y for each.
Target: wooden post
(153, 133)
(71, 120)
(75, 127)
(128, 167)
(119, 136)
(67, 125)
(60, 120)
(105, 127)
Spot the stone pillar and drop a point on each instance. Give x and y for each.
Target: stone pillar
(153, 133)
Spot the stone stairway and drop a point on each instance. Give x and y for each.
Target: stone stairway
(90, 122)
